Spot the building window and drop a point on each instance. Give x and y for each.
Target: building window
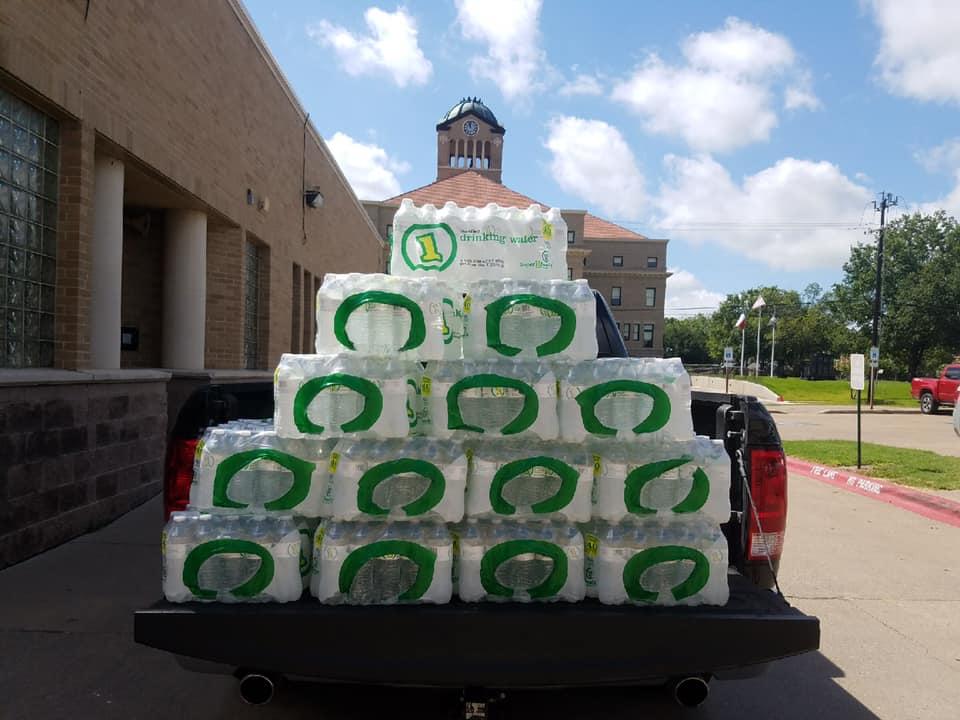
(636, 331)
(571, 237)
(647, 335)
(29, 161)
(651, 262)
(309, 314)
(618, 260)
(569, 273)
(651, 297)
(615, 295)
(389, 235)
(252, 288)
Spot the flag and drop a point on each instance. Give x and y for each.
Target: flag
(759, 303)
(741, 322)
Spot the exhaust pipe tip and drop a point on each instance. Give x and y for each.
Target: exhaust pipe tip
(690, 692)
(256, 689)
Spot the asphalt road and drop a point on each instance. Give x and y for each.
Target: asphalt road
(903, 428)
(885, 583)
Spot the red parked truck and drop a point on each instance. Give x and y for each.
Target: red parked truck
(934, 392)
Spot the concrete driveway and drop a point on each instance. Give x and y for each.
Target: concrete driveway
(885, 583)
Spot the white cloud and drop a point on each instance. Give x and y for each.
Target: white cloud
(687, 296)
(919, 56)
(511, 31)
(582, 85)
(943, 157)
(390, 47)
(794, 215)
(592, 161)
(799, 95)
(722, 96)
(371, 171)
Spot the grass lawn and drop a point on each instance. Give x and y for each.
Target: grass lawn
(919, 468)
(836, 392)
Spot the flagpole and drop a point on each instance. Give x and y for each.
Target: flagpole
(759, 325)
(773, 342)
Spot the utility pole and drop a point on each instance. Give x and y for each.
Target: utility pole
(886, 200)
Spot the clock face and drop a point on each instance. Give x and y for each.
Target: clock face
(470, 127)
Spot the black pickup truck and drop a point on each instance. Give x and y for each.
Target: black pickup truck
(463, 644)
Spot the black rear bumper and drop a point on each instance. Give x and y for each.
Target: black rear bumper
(490, 645)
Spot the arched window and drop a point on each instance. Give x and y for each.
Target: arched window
(486, 152)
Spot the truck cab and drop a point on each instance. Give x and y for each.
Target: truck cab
(934, 392)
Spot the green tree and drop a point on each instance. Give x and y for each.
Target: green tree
(687, 338)
(920, 308)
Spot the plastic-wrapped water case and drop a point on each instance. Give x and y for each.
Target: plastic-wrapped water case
(462, 244)
(519, 561)
(382, 316)
(240, 469)
(651, 562)
(529, 480)
(530, 319)
(307, 527)
(663, 479)
(231, 558)
(397, 480)
(382, 563)
(625, 399)
(339, 395)
(499, 398)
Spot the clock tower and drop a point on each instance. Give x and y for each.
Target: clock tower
(469, 138)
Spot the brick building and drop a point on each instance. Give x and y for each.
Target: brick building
(626, 267)
(166, 213)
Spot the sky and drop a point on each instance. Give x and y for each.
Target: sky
(753, 135)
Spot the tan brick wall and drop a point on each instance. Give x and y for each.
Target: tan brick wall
(75, 225)
(182, 87)
(224, 346)
(142, 305)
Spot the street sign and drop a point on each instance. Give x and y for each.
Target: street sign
(856, 372)
(728, 355)
(874, 356)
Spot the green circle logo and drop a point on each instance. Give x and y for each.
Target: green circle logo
(429, 247)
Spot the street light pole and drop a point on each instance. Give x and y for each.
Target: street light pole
(773, 339)
(886, 200)
(759, 325)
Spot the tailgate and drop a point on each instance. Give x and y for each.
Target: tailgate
(485, 644)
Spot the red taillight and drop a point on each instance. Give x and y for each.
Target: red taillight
(179, 475)
(768, 485)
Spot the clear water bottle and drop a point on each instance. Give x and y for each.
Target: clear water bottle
(338, 395)
(414, 478)
(666, 479)
(462, 244)
(627, 399)
(496, 398)
(652, 562)
(518, 561)
(529, 480)
(248, 468)
(530, 319)
(231, 558)
(381, 316)
(380, 563)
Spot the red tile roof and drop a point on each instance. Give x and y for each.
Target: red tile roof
(472, 188)
(595, 227)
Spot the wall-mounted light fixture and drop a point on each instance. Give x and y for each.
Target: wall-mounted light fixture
(313, 198)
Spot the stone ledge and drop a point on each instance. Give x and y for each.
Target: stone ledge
(21, 377)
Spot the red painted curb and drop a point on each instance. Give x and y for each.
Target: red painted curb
(929, 506)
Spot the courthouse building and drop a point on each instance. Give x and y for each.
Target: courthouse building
(167, 211)
(626, 267)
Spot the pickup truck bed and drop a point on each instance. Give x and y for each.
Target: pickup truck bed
(486, 644)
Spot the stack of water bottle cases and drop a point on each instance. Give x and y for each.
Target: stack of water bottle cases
(456, 435)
